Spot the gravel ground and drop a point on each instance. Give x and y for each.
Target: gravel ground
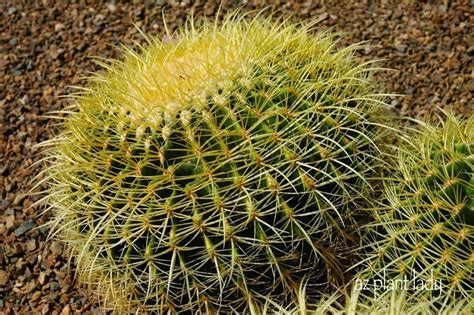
(47, 46)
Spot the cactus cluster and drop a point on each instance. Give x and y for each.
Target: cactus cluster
(220, 169)
(423, 241)
(236, 164)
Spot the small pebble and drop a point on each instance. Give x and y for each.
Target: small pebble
(19, 198)
(4, 277)
(36, 296)
(53, 285)
(24, 227)
(56, 248)
(31, 245)
(58, 27)
(42, 277)
(111, 7)
(66, 310)
(10, 221)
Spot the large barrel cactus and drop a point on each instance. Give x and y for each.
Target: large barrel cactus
(424, 241)
(217, 169)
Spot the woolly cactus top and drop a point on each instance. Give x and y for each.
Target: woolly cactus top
(168, 77)
(218, 169)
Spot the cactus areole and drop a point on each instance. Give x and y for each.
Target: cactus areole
(212, 171)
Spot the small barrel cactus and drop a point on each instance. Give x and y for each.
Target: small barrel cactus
(217, 169)
(424, 242)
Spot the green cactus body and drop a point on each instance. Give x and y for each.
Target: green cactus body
(427, 234)
(217, 170)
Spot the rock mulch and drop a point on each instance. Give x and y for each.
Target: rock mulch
(48, 46)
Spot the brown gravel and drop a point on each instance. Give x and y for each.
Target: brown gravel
(47, 47)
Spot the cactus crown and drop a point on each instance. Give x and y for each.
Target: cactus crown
(220, 168)
(426, 235)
